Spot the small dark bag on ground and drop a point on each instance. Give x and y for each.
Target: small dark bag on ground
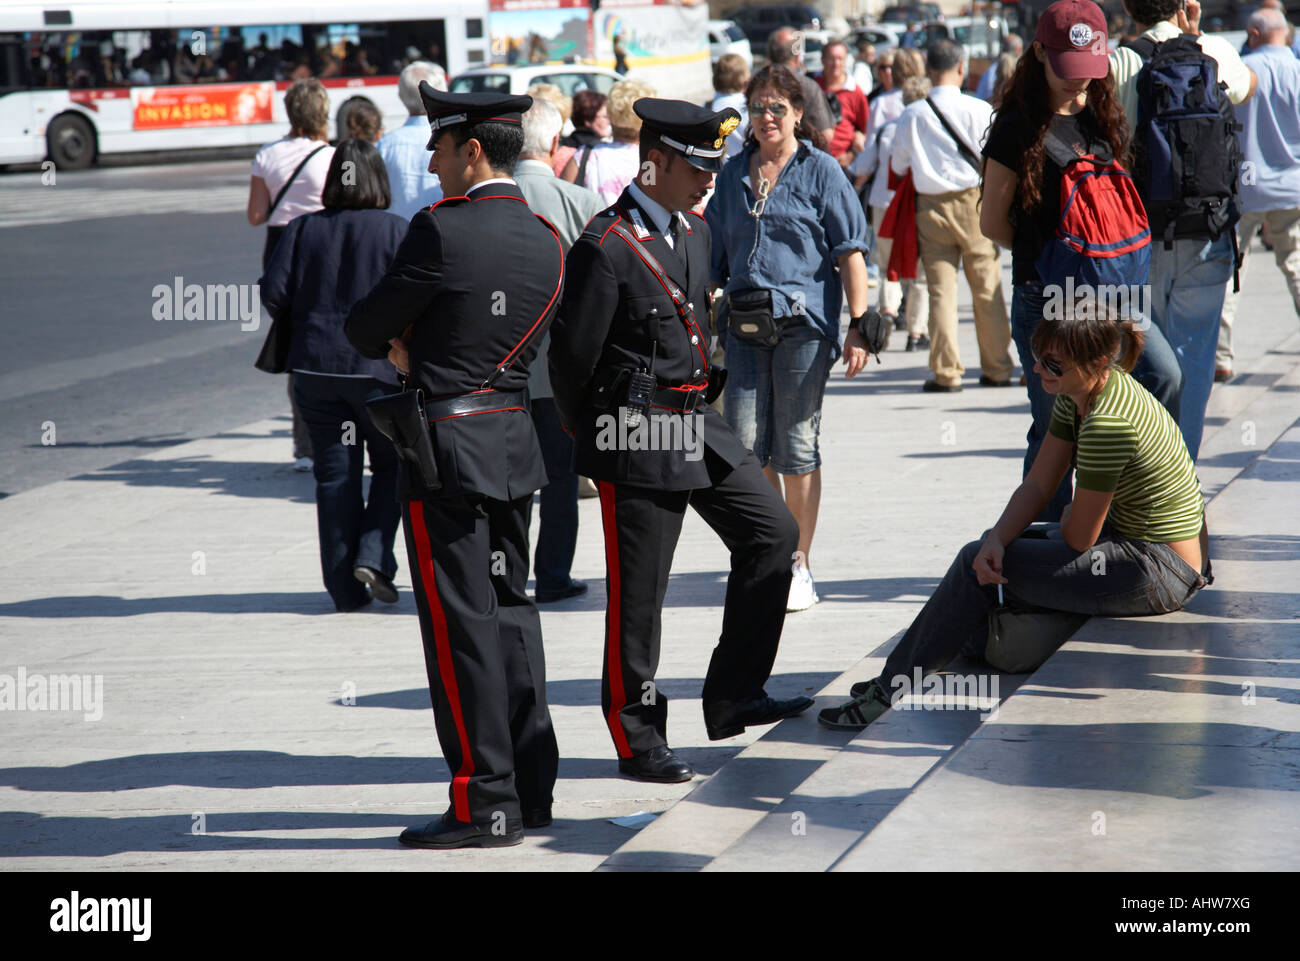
(749, 317)
(401, 418)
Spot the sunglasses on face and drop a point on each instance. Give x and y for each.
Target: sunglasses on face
(1052, 366)
(777, 110)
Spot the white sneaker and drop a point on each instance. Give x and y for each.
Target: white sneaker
(803, 593)
(303, 465)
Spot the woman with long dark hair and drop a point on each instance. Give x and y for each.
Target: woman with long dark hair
(324, 263)
(1071, 96)
(783, 218)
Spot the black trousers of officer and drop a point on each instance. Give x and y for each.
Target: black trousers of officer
(483, 652)
(642, 526)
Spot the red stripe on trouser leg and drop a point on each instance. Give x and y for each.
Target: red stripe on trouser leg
(446, 671)
(613, 619)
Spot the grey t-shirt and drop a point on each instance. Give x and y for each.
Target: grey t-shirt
(815, 109)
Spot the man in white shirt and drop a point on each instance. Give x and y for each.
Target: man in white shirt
(404, 150)
(946, 174)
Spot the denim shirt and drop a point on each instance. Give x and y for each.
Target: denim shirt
(812, 217)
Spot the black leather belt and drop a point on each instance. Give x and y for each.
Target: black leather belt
(478, 402)
(685, 399)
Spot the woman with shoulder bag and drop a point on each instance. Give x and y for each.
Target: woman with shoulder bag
(1137, 511)
(288, 176)
(325, 263)
(787, 229)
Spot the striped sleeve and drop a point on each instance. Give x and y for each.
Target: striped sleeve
(1062, 423)
(1107, 445)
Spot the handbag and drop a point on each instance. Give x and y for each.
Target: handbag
(1021, 639)
(749, 317)
(274, 356)
(401, 418)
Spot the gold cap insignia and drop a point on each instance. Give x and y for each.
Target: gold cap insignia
(728, 125)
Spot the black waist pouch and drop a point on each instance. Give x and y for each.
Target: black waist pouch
(749, 317)
(401, 418)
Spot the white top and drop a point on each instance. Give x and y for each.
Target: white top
(612, 167)
(862, 76)
(923, 145)
(886, 107)
(735, 139)
(275, 163)
(1125, 65)
(874, 160)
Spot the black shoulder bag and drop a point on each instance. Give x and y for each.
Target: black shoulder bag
(967, 154)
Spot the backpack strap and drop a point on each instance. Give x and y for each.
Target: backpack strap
(582, 166)
(1144, 47)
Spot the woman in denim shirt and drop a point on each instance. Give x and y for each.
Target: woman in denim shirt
(785, 219)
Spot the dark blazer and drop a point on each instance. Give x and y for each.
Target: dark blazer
(473, 278)
(324, 263)
(616, 314)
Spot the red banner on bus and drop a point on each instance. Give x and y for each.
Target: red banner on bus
(211, 105)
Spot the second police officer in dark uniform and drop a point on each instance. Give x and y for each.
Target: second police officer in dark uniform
(464, 304)
(629, 363)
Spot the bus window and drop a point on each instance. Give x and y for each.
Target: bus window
(13, 73)
(481, 82)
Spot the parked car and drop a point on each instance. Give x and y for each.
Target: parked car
(759, 22)
(912, 13)
(726, 37)
(569, 77)
(813, 42)
(883, 35)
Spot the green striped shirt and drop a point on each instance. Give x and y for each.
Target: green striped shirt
(1130, 447)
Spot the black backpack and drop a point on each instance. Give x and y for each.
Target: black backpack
(1187, 159)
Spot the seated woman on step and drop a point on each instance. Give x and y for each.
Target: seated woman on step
(1132, 542)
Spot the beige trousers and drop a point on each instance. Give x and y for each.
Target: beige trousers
(1284, 235)
(948, 233)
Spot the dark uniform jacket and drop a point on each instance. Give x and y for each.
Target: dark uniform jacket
(472, 278)
(616, 315)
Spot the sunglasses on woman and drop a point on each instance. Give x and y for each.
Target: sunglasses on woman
(777, 110)
(1052, 366)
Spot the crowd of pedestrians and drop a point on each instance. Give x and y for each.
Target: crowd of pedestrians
(883, 159)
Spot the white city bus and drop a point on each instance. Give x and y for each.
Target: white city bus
(82, 79)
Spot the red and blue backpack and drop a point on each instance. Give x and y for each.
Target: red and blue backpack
(1102, 237)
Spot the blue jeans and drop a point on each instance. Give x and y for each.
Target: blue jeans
(1157, 370)
(774, 397)
(354, 531)
(1188, 286)
(1117, 577)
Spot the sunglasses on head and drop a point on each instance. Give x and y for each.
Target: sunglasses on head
(778, 110)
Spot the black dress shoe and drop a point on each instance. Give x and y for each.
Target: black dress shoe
(447, 832)
(728, 720)
(990, 382)
(572, 589)
(538, 818)
(657, 764)
(934, 387)
(380, 584)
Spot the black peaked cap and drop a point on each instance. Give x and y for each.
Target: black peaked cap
(697, 133)
(448, 109)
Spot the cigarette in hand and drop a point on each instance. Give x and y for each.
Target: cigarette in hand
(999, 594)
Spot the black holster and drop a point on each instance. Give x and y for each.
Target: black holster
(401, 418)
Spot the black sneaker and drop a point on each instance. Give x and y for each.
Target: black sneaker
(380, 584)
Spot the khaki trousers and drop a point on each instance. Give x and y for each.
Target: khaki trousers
(948, 232)
(1284, 235)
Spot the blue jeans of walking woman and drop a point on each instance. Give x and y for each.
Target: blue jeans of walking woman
(1117, 577)
(354, 530)
(774, 397)
(1157, 370)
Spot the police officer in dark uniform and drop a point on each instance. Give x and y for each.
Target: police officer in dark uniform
(629, 363)
(463, 307)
